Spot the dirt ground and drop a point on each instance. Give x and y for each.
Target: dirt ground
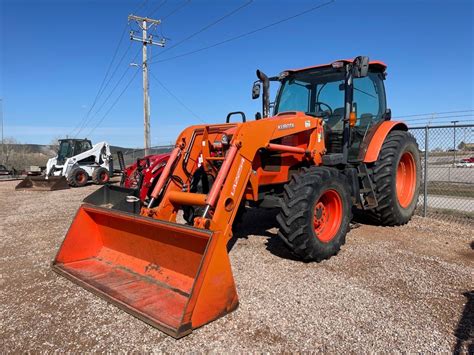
(390, 289)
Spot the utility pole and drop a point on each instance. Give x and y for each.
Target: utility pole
(454, 143)
(145, 24)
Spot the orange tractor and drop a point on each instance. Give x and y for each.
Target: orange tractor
(329, 149)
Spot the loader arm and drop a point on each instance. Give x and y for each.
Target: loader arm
(232, 180)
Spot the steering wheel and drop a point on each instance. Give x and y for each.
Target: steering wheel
(322, 103)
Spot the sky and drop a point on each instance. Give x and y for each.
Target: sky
(54, 55)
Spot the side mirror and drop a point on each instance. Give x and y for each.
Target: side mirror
(360, 67)
(256, 90)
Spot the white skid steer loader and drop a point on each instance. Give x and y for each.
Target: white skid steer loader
(75, 164)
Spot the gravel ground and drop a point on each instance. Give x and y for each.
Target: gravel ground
(392, 289)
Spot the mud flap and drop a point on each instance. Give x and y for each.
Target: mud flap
(40, 183)
(115, 197)
(174, 277)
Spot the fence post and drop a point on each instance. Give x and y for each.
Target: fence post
(425, 175)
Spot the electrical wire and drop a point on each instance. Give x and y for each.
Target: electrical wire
(220, 19)
(314, 8)
(437, 118)
(140, 6)
(108, 96)
(114, 103)
(183, 4)
(178, 100)
(468, 122)
(434, 113)
(101, 87)
(157, 8)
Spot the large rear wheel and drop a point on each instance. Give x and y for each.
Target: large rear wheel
(100, 176)
(397, 176)
(315, 213)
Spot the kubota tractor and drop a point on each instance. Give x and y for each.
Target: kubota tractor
(329, 148)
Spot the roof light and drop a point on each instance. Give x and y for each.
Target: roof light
(337, 65)
(283, 75)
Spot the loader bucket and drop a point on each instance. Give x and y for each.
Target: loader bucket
(174, 277)
(115, 197)
(40, 183)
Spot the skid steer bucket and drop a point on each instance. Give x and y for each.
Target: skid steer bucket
(172, 276)
(40, 183)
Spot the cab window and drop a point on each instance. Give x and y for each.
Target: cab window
(82, 146)
(295, 96)
(368, 99)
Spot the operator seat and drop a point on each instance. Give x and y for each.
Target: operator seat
(333, 128)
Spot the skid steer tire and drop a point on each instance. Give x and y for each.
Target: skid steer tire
(77, 177)
(315, 213)
(100, 176)
(396, 176)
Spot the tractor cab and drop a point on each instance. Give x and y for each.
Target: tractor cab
(71, 147)
(347, 95)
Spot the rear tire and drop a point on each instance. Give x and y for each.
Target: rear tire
(77, 177)
(397, 176)
(315, 213)
(100, 176)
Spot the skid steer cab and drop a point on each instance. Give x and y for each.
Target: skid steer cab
(328, 149)
(77, 161)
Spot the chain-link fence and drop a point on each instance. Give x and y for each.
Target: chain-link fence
(447, 158)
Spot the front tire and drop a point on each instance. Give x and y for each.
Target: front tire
(77, 177)
(315, 213)
(397, 177)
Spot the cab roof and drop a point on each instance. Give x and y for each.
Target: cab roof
(373, 63)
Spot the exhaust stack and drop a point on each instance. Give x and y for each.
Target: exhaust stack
(266, 93)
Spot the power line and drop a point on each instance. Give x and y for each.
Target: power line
(433, 113)
(220, 19)
(178, 100)
(444, 122)
(314, 8)
(101, 87)
(157, 8)
(91, 118)
(140, 5)
(114, 103)
(183, 4)
(117, 66)
(433, 118)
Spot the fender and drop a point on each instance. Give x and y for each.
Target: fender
(374, 141)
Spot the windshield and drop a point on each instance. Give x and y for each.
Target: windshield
(65, 150)
(321, 92)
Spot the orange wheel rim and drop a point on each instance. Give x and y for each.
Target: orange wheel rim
(327, 217)
(103, 177)
(406, 179)
(81, 177)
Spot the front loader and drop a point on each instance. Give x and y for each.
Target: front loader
(328, 149)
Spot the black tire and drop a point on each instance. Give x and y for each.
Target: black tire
(297, 214)
(77, 177)
(100, 176)
(389, 211)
